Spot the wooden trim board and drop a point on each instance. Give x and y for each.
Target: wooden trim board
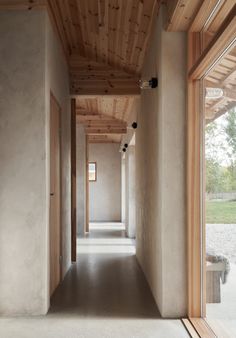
(222, 42)
(87, 185)
(73, 180)
(55, 231)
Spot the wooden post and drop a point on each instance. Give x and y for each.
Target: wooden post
(87, 185)
(73, 180)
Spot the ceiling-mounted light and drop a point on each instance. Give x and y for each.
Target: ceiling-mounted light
(126, 145)
(124, 150)
(214, 93)
(148, 84)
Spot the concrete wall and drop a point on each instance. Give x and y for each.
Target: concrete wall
(105, 193)
(31, 64)
(81, 179)
(130, 194)
(160, 173)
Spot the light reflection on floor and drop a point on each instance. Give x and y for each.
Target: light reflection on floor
(106, 244)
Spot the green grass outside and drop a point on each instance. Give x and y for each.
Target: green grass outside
(221, 212)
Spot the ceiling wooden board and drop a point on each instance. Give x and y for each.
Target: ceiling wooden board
(180, 13)
(104, 138)
(222, 76)
(117, 107)
(89, 77)
(22, 4)
(105, 116)
(114, 32)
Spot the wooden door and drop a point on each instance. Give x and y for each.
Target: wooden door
(55, 195)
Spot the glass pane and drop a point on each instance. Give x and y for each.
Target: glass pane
(220, 179)
(92, 171)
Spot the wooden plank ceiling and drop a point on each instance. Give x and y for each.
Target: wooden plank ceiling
(222, 76)
(105, 43)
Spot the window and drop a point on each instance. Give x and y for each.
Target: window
(92, 171)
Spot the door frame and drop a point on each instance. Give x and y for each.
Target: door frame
(223, 41)
(53, 98)
(73, 182)
(86, 230)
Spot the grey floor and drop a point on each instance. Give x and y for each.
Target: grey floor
(103, 295)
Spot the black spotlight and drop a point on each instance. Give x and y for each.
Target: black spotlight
(126, 145)
(134, 125)
(124, 150)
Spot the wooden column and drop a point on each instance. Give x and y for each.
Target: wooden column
(87, 185)
(194, 197)
(73, 180)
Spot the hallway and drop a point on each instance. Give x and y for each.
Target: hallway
(105, 292)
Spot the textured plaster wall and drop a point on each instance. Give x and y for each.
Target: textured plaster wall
(23, 169)
(105, 194)
(32, 63)
(160, 165)
(130, 193)
(81, 179)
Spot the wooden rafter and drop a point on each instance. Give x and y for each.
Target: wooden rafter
(105, 130)
(223, 39)
(96, 78)
(22, 4)
(180, 13)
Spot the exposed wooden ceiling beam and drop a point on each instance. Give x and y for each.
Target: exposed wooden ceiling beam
(95, 117)
(22, 4)
(105, 131)
(203, 14)
(96, 78)
(103, 139)
(112, 88)
(211, 115)
(180, 14)
(224, 38)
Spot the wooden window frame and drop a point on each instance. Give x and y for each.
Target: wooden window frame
(223, 41)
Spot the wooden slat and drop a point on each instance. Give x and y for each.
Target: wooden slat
(189, 327)
(223, 40)
(104, 89)
(202, 328)
(181, 14)
(88, 117)
(22, 4)
(203, 15)
(105, 130)
(194, 208)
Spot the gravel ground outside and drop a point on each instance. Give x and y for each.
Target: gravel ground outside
(222, 239)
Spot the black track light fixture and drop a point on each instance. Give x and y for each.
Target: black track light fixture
(134, 125)
(148, 84)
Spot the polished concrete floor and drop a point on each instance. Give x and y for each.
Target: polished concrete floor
(104, 295)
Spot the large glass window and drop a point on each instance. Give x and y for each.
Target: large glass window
(220, 196)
